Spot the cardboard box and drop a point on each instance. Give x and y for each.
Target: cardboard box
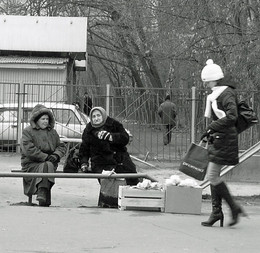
(130, 198)
(180, 199)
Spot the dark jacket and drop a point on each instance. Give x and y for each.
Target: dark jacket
(104, 152)
(167, 112)
(224, 147)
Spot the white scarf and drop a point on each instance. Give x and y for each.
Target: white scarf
(212, 102)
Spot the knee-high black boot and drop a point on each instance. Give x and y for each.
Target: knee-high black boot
(236, 210)
(216, 214)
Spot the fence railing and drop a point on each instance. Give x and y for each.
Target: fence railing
(136, 108)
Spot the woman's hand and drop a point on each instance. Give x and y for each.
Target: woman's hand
(206, 134)
(53, 158)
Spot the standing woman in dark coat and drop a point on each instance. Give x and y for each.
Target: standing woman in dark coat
(41, 150)
(222, 136)
(104, 143)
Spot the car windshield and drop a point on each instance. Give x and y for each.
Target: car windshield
(62, 115)
(65, 116)
(11, 115)
(8, 116)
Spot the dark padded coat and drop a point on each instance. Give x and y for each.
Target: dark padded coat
(167, 112)
(224, 147)
(103, 152)
(36, 145)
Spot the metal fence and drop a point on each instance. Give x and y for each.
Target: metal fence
(136, 108)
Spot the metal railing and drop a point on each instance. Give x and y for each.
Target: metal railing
(136, 108)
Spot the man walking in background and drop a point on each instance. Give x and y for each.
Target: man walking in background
(167, 113)
(87, 103)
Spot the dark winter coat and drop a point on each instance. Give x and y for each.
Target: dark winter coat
(224, 147)
(36, 145)
(103, 152)
(167, 112)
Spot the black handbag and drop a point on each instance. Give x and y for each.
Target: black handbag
(195, 162)
(72, 164)
(246, 117)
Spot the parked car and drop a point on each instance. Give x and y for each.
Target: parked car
(70, 121)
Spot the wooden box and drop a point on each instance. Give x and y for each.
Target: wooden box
(130, 198)
(186, 200)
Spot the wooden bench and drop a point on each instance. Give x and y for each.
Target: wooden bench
(60, 174)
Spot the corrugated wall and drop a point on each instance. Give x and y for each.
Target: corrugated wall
(55, 79)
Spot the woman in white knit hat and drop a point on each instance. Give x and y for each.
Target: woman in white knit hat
(222, 137)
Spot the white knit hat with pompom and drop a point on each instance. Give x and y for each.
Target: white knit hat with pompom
(211, 72)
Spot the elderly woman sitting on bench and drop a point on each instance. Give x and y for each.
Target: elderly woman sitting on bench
(41, 151)
(104, 142)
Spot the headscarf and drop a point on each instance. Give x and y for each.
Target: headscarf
(102, 112)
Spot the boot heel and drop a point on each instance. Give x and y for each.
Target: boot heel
(213, 219)
(236, 214)
(221, 221)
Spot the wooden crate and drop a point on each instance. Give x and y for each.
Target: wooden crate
(139, 199)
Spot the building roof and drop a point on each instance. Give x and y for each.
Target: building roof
(44, 34)
(32, 60)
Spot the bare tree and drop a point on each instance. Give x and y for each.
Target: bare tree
(159, 43)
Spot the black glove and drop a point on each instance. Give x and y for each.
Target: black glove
(206, 134)
(104, 135)
(53, 158)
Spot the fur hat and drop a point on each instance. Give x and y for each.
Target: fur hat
(38, 111)
(211, 72)
(103, 113)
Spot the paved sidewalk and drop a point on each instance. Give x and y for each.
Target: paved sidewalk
(75, 224)
(66, 230)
